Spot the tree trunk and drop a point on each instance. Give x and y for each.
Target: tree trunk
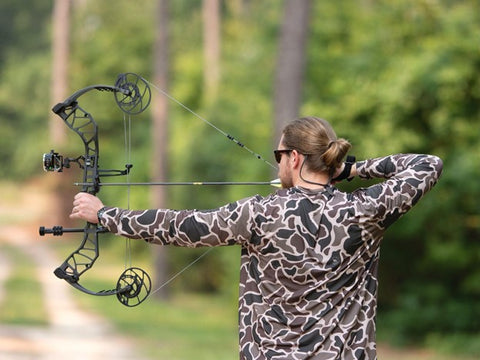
(160, 131)
(60, 58)
(290, 63)
(62, 194)
(211, 48)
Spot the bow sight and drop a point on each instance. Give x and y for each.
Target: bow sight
(54, 162)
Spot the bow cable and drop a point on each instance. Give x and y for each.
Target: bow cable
(275, 182)
(180, 272)
(228, 136)
(127, 132)
(127, 129)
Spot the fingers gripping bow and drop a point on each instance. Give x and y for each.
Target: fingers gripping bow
(132, 95)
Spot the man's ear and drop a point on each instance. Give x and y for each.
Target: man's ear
(295, 158)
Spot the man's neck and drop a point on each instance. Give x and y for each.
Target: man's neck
(310, 180)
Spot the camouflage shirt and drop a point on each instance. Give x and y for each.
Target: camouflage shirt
(308, 276)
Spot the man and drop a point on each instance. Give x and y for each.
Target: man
(308, 276)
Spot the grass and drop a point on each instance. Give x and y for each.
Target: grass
(23, 301)
(188, 326)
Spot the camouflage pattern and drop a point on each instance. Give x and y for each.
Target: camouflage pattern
(308, 277)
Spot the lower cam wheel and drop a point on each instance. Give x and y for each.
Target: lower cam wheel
(133, 287)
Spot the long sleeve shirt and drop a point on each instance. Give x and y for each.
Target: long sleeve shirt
(309, 259)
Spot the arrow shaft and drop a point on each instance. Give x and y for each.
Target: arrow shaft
(183, 183)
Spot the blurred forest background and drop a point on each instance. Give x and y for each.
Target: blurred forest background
(391, 76)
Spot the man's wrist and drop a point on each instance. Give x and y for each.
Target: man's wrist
(100, 214)
(347, 169)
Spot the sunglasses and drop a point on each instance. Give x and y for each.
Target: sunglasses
(278, 154)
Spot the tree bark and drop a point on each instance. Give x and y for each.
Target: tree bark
(60, 59)
(211, 48)
(62, 195)
(290, 66)
(160, 130)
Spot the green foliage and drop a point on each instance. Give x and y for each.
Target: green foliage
(24, 79)
(425, 101)
(412, 86)
(23, 28)
(392, 77)
(24, 120)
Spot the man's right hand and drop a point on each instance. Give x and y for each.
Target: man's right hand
(85, 207)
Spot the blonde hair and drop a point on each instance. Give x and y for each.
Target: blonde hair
(315, 138)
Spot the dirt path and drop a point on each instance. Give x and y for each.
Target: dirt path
(72, 333)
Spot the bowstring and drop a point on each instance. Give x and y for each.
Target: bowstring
(228, 136)
(185, 268)
(127, 133)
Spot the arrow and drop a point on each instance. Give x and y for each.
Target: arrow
(275, 182)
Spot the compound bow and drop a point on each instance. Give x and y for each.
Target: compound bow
(132, 94)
